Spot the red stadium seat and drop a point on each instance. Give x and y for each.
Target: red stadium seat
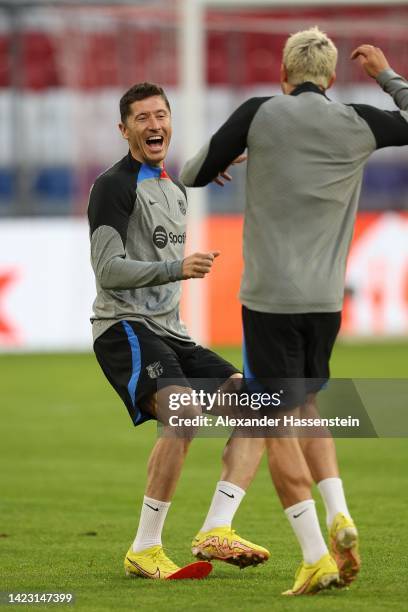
(39, 61)
(5, 71)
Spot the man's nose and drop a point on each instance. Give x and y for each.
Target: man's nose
(154, 123)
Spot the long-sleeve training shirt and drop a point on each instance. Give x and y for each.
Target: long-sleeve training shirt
(137, 219)
(306, 156)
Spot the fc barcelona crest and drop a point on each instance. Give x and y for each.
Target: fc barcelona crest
(155, 369)
(182, 207)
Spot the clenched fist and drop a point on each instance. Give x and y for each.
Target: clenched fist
(372, 59)
(198, 265)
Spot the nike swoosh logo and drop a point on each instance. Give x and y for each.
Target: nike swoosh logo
(227, 494)
(300, 513)
(155, 509)
(151, 202)
(303, 588)
(155, 574)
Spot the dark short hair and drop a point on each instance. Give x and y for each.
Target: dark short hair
(140, 91)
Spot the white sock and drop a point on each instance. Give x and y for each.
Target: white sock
(224, 505)
(331, 490)
(305, 524)
(151, 524)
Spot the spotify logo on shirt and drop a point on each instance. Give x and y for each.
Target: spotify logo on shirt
(161, 238)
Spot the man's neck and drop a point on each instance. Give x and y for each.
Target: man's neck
(136, 155)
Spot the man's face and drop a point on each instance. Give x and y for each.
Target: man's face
(148, 130)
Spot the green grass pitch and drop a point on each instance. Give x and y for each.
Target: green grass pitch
(71, 482)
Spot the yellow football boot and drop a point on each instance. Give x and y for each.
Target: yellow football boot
(343, 545)
(149, 563)
(311, 579)
(154, 563)
(223, 544)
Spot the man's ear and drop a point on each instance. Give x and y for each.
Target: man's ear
(284, 78)
(123, 130)
(332, 80)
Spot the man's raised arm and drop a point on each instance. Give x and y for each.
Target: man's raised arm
(374, 62)
(224, 147)
(390, 128)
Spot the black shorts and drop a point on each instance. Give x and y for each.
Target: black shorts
(133, 359)
(289, 352)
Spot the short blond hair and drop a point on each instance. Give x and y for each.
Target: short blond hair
(310, 55)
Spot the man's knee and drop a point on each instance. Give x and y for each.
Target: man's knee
(183, 415)
(172, 401)
(309, 408)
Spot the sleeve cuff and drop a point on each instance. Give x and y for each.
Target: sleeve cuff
(175, 270)
(386, 75)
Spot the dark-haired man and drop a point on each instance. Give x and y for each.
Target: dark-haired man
(137, 217)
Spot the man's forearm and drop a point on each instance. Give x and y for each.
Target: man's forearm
(396, 86)
(225, 146)
(119, 273)
(113, 270)
(192, 168)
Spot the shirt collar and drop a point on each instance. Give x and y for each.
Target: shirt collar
(135, 165)
(308, 86)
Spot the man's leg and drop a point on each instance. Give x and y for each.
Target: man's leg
(292, 480)
(146, 556)
(163, 472)
(127, 352)
(275, 357)
(320, 455)
(240, 462)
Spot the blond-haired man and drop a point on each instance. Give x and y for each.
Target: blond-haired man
(306, 156)
(309, 56)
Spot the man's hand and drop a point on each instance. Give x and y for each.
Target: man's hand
(372, 59)
(198, 265)
(224, 177)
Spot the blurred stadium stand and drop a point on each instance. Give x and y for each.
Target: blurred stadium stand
(63, 67)
(62, 70)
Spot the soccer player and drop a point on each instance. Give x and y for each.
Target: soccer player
(306, 156)
(137, 217)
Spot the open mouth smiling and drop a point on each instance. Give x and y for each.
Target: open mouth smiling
(155, 143)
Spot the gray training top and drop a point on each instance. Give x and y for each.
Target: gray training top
(137, 218)
(306, 156)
